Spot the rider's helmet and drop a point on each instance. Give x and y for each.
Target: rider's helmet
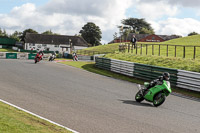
(166, 76)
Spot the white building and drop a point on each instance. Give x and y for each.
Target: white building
(61, 43)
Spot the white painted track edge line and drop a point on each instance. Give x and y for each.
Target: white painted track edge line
(37, 116)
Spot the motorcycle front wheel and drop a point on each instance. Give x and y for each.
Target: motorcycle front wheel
(139, 97)
(159, 99)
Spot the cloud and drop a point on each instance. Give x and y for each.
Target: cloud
(156, 10)
(184, 3)
(67, 16)
(163, 15)
(177, 26)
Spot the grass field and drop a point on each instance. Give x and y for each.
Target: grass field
(109, 48)
(166, 50)
(168, 62)
(6, 50)
(13, 120)
(188, 41)
(152, 56)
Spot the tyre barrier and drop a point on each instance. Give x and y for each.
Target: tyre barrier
(178, 78)
(23, 56)
(2, 55)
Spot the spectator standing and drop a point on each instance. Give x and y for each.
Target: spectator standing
(133, 41)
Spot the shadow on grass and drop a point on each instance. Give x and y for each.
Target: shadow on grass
(136, 103)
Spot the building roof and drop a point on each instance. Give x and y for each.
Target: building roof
(141, 36)
(55, 39)
(137, 36)
(166, 37)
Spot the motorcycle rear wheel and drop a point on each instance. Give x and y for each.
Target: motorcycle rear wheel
(159, 99)
(139, 97)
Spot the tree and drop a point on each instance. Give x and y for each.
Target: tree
(91, 33)
(16, 35)
(3, 33)
(138, 25)
(126, 32)
(27, 31)
(115, 36)
(146, 31)
(49, 32)
(192, 33)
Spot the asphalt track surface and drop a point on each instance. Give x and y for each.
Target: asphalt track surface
(91, 103)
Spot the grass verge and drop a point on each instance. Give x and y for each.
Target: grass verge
(168, 62)
(90, 66)
(13, 120)
(6, 50)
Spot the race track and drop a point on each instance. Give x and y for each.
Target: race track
(91, 103)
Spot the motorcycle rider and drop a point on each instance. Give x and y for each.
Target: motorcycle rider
(53, 56)
(165, 76)
(40, 54)
(74, 55)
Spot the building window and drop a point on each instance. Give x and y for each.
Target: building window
(153, 38)
(56, 46)
(32, 44)
(44, 45)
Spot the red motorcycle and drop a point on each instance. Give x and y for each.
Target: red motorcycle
(38, 57)
(75, 57)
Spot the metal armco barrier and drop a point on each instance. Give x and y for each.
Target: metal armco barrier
(179, 78)
(188, 80)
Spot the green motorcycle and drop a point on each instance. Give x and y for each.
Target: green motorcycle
(156, 94)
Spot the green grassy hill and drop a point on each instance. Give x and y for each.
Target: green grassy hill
(189, 40)
(170, 62)
(104, 48)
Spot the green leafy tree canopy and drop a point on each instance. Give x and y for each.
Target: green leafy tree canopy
(27, 31)
(139, 26)
(16, 35)
(192, 33)
(91, 33)
(3, 33)
(49, 32)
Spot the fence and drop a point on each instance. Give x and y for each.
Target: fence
(179, 78)
(164, 49)
(91, 53)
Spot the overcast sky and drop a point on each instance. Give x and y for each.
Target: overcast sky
(67, 17)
